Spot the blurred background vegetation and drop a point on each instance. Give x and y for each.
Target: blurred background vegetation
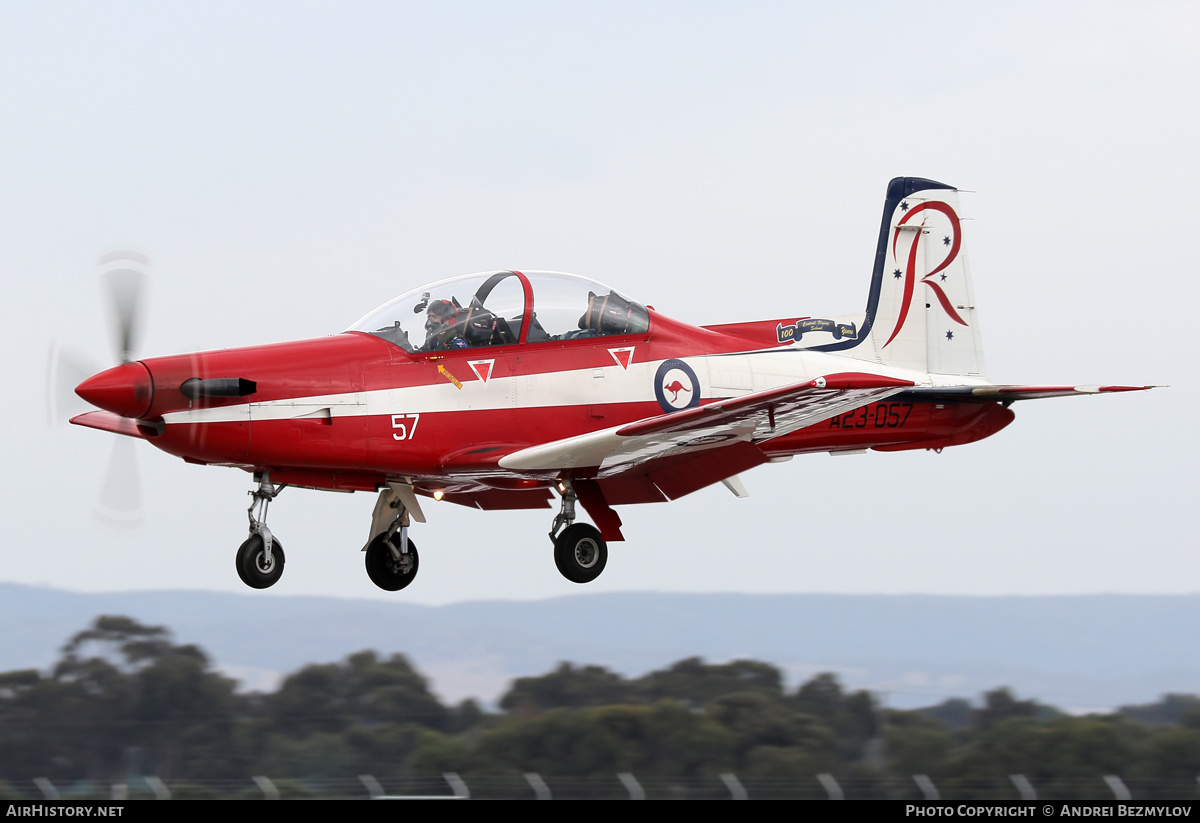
(125, 706)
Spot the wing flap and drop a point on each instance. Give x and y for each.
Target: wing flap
(697, 471)
(498, 499)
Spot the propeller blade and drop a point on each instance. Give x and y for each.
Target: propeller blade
(124, 277)
(120, 504)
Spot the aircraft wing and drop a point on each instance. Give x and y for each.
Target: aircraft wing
(109, 422)
(634, 448)
(1008, 394)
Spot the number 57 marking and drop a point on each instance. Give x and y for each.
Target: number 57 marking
(402, 431)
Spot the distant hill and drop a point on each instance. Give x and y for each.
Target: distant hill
(1081, 653)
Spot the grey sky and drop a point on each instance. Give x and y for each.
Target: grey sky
(289, 166)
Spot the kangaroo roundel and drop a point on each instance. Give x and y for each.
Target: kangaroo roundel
(676, 386)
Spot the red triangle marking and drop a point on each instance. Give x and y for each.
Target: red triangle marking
(623, 356)
(482, 368)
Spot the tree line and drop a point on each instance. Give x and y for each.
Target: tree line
(124, 703)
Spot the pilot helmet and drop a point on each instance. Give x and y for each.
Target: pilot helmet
(441, 311)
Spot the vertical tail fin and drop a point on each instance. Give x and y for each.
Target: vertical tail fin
(921, 308)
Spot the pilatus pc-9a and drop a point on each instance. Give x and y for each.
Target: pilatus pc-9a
(507, 389)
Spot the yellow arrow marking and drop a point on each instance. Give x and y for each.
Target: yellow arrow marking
(449, 376)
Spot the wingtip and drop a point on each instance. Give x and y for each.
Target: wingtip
(108, 422)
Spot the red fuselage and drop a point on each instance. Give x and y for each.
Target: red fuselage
(353, 410)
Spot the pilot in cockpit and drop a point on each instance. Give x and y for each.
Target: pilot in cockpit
(442, 330)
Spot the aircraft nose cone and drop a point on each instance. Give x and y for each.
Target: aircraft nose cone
(126, 390)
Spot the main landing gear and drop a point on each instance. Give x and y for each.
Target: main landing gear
(260, 558)
(392, 559)
(579, 551)
(389, 567)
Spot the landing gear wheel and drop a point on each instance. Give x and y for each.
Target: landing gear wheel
(254, 568)
(387, 572)
(580, 553)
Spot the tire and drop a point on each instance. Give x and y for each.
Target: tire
(250, 563)
(580, 553)
(386, 572)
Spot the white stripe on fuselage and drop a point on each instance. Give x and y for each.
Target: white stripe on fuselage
(727, 375)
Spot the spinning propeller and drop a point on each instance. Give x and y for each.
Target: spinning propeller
(123, 275)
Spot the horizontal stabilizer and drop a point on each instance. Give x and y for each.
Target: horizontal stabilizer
(1009, 394)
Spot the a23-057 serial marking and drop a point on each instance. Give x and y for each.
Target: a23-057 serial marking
(878, 415)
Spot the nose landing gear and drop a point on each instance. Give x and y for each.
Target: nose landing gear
(258, 568)
(260, 559)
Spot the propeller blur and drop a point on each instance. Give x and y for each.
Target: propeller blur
(123, 274)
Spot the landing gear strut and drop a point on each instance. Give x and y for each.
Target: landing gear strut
(392, 558)
(260, 558)
(580, 553)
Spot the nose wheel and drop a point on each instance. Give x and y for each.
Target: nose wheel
(258, 568)
(259, 560)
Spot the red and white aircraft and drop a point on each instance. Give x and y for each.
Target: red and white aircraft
(499, 390)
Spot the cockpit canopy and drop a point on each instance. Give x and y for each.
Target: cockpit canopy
(504, 307)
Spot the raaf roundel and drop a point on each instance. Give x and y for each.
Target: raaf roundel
(504, 389)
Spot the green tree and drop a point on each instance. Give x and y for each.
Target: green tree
(696, 683)
(851, 716)
(567, 686)
(364, 690)
(916, 744)
(121, 702)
